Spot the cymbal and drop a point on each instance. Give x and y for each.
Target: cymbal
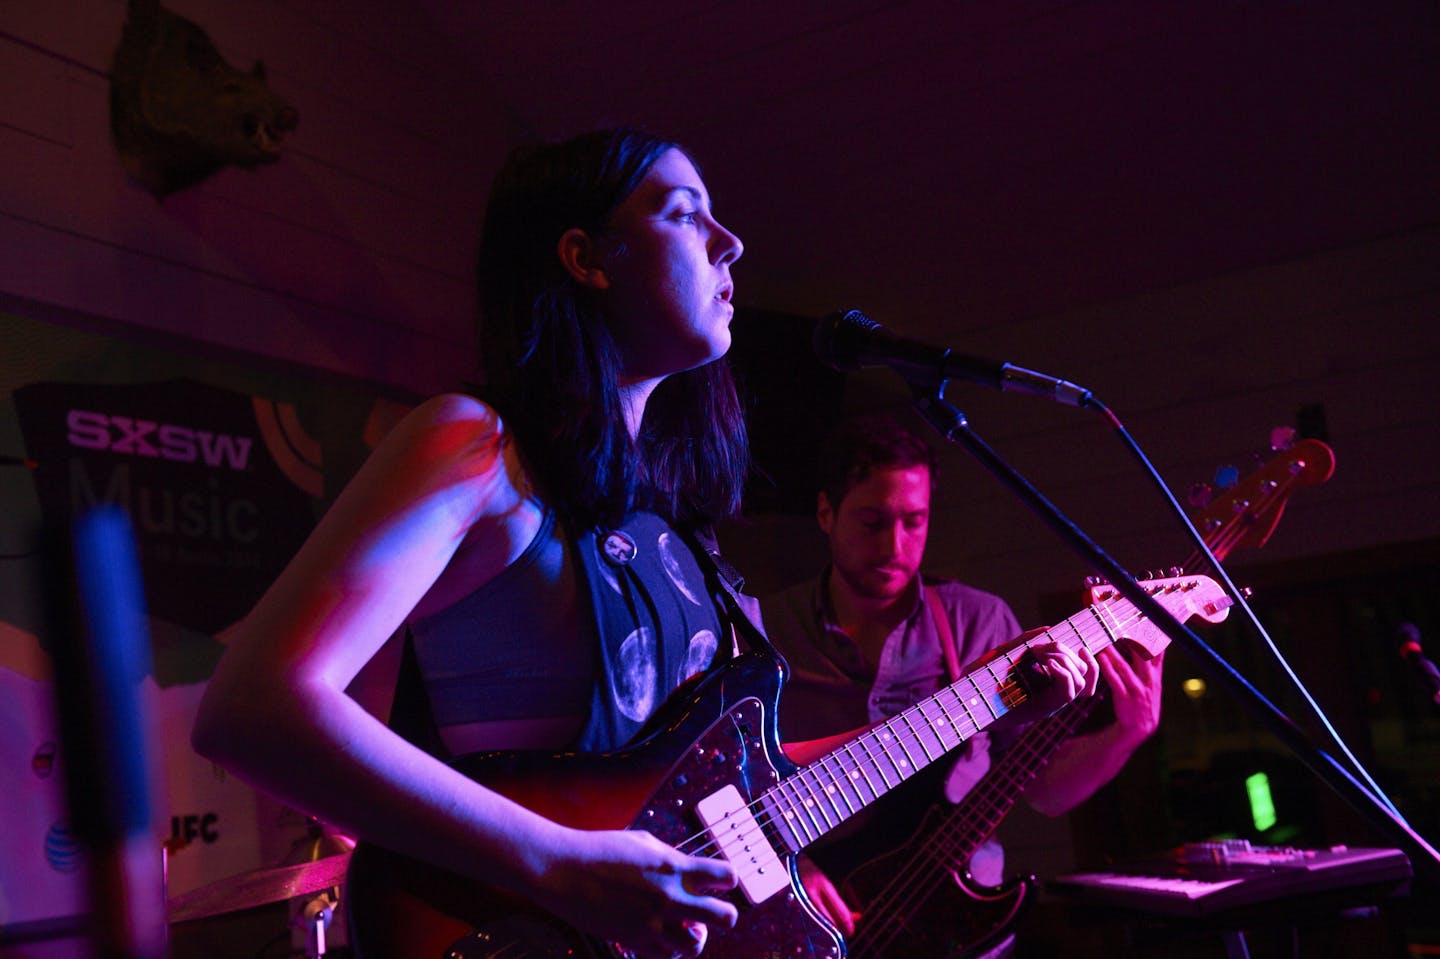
(258, 888)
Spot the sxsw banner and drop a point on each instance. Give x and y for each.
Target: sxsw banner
(221, 484)
(219, 493)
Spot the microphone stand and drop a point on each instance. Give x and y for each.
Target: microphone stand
(952, 424)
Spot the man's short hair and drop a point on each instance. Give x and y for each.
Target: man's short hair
(860, 445)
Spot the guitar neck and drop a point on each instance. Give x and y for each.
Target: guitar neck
(826, 793)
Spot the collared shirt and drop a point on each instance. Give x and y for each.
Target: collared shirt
(832, 689)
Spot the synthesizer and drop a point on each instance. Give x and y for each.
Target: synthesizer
(1202, 878)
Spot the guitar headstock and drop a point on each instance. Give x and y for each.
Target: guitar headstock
(1182, 597)
(1245, 513)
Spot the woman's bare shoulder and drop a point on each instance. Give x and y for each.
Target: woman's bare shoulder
(460, 415)
(478, 485)
(467, 445)
(448, 468)
(452, 437)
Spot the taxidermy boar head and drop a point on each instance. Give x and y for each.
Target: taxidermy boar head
(179, 112)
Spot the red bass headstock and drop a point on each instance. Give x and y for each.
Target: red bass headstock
(1245, 514)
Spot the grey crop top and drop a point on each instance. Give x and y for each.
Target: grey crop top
(608, 639)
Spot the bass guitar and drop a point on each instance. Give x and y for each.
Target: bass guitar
(712, 780)
(919, 899)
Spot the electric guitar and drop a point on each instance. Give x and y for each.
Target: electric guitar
(711, 779)
(918, 899)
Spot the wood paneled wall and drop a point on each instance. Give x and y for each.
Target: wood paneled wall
(352, 254)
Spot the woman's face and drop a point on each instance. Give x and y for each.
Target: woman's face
(667, 261)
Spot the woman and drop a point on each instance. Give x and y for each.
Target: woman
(507, 538)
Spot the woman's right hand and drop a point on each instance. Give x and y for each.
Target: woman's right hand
(630, 888)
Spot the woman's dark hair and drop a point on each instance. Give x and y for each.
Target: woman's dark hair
(552, 367)
(862, 444)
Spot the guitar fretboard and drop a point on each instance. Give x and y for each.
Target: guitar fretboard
(827, 792)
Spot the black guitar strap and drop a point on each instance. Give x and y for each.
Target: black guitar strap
(741, 612)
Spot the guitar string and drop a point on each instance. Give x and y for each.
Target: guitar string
(1223, 540)
(702, 844)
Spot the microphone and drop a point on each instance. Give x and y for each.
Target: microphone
(1425, 670)
(848, 340)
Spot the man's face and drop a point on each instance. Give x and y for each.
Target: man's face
(877, 536)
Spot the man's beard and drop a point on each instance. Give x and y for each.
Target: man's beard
(875, 585)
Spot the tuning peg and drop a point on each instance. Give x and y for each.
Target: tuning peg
(1177, 571)
(1092, 581)
(1200, 495)
(1283, 437)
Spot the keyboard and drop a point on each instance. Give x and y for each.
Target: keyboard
(1202, 878)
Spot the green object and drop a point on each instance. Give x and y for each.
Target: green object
(1262, 804)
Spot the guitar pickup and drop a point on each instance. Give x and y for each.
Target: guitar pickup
(731, 824)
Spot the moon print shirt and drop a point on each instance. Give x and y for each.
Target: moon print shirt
(658, 623)
(591, 630)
